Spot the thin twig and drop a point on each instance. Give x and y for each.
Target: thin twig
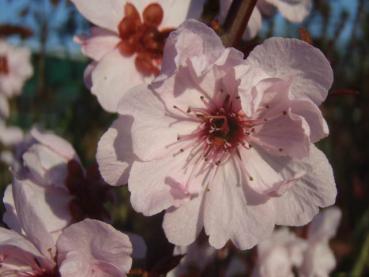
(236, 22)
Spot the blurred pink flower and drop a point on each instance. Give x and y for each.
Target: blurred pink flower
(38, 193)
(279, 254)
(126, 45)
(293, 10)
(89, 248)
(15, 68)
(48, 186)
(319, 260)
(224, 143)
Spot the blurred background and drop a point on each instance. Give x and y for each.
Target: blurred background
(56, 99)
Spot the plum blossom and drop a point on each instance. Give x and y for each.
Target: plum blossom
(51, 187)
(196, 257)
(89, 248)
(319, 260)
(126, 44)
(15, 68)
(279, 254)
(293, 10)
(223, 143)
(10, 136)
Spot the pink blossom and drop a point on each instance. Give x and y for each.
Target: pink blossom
(127, 43)
(223, 143)
(89, 248)
(48, 186)
(15, 68)
(293, 10)
(10, 135)
(319, 260)
(279, 254)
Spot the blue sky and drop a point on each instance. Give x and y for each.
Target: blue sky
(9, 10)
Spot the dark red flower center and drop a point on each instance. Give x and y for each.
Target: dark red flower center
(142, 37)
(4, 67)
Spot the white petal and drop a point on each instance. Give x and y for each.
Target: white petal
(315, 189)
(308, 68)
(114, 152)
(182, 225)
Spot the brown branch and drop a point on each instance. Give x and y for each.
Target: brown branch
(10, 30)
(236, 22)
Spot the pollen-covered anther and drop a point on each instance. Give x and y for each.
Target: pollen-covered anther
(140, 35)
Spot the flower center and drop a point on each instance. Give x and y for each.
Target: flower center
(223, 127)
(4, 67)
(142, 37)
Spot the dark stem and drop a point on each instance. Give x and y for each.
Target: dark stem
(236, 22)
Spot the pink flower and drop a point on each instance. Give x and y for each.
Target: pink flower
(50, 187)
(126, 45)
(319, 259)
(279, 254)
(223, 143)
(15, 68)
(293, 10)
(10, 135)
(89, 248)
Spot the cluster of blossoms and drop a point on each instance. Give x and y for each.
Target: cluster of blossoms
(15, 69)
(47, 216)
(216, 141)
(279, 255)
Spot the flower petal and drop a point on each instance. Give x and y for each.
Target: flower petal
(10, 217)
(98, 44)
(151, 192)
(113, 76)
(151, 122)
(182, 225)
(294, 11)
(314, 118)
(41, 212)
(16, 251)
(176, 12)
(114, 152)
(310, 71)
(325, 225)
(228, 216)
(315, 189)
(103, 251)
(191, 40)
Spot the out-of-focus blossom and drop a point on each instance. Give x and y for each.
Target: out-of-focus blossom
(89, 248)
(10, 135)
(279, 254)
(51, 187)
(319, 260)
(223, 143)
(200, 259)
(293, 10)
(15, 68)
(196, 257)
(126, 45)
